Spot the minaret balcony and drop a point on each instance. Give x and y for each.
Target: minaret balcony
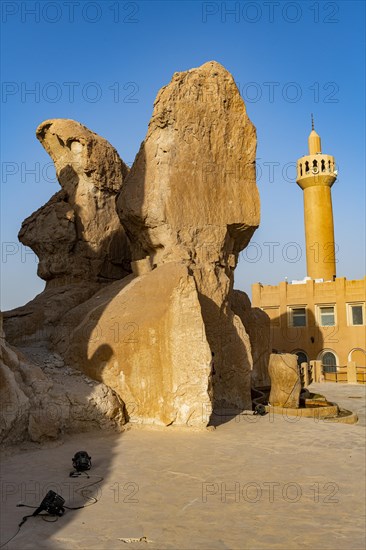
(316, 169)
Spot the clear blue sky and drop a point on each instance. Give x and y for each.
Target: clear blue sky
(102, 63)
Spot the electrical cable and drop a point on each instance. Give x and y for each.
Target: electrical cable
(81, 490)
(43, 516)
(11, 538)
(19, 528)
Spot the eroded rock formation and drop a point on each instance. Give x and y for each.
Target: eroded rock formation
(191, 193)
(167, 338)
(42, 398)
(191, 196)
(76, 235)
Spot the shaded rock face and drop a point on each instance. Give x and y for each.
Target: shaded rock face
(43, 398)
(40, 318)
(285, 380)
(77, 234)
(191, 196)
(257, 325)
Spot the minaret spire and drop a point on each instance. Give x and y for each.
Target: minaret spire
(314, 141)
(315, 175)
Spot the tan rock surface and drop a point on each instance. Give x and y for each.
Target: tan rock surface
(39, 319)
(191, 195)
(227, 339)
(285, 380)
(144, 337)
(191, 192)
(189, 205)
(15, 404)
(257, 325)
(42, 398)
(77, 234)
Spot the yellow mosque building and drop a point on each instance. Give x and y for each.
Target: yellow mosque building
(322, 317)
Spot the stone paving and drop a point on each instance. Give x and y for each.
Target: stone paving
(253, 483)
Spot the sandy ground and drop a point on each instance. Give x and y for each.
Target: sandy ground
(254, 482)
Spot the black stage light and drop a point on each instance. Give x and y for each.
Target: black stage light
(52, 503)
(81, 461)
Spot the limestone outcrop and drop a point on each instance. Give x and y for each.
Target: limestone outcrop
(191, 193)
(168, 338)
(42, 398)
(191, 196)
(76, 235)
(144, 337)
(285, 380)
(39, 319)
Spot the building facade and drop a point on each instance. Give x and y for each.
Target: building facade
(321, 317)
(316, 320)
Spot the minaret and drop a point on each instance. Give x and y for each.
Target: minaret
(315, 175)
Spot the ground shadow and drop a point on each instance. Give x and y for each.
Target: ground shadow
(50, 319)
(230, 372)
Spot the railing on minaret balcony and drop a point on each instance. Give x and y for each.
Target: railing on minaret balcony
(316, 165)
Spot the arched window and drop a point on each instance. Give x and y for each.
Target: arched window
(300, 169)
(323, 165)
(306, 166)
(328, 165)
(315, 163)
(329, 362)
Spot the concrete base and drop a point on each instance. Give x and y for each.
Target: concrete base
(331, 410)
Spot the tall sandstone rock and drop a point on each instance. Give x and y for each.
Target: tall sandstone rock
(76, 235)
(191, 193)
(165, 338)
(191, 196)
(189, 206)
